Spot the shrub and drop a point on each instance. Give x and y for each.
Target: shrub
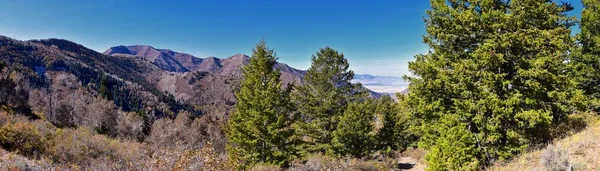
(130, 125)
(22, 137)
(63, 117)
(19, 165)
(265, 167)
(78, 146)
(322, 162)
(556, 159)
(181, 132)
(203, 159)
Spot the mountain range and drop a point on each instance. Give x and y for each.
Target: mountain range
(172, 61)
(206, 83)
(382, 84)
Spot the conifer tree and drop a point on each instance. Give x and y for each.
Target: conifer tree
(259, 129)
(590, 27)
(354, 134)
(499, 68)
(323, 97)
(388, 137)
(587, 60)
(455, 149)
(103, 90)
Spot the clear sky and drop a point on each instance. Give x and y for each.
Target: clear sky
(378, 37)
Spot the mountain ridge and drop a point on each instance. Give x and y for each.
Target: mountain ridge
(174, 61)
(382, 84)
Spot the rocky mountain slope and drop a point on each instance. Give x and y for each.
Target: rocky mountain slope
(208, 83)
(172, 61)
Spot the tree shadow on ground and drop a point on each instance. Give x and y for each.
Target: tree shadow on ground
(405, 166)
(574, 124)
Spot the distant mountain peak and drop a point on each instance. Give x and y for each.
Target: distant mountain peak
(173, 61)
(238, 56)
(163, 58)
(118, 49)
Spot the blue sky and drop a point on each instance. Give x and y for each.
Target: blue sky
(378, 37)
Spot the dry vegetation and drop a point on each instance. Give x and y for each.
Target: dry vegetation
(411, 159)
(38, 145)
(576, 150)
(322, 162)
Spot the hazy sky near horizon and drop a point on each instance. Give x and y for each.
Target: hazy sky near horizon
(378, 37)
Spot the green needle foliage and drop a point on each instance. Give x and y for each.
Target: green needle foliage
(587, 61)
(323, 97)
(354, 134)
(590, 27)
(260, 128)
(499, 69)
(389, 136)
(455, 149)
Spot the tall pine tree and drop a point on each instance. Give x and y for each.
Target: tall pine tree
(323, 97)
(260, 128)
(496, 70)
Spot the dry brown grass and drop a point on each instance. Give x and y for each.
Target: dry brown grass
(583, 149)
(322, 162)
(266, 167)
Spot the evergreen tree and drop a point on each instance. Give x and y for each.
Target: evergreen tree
(497, 67)
(7, 91)
(388, 137)
(354, 133)
(260, 128)
(323, 98)
(104, 91)
(587, 61)
(455, 149)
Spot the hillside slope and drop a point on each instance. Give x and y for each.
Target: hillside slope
(71, 86)
(580, 150)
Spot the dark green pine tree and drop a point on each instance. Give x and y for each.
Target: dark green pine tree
(587, 61)
(7, 87)
(355, 132)
(323, 97)
(388, 136)
(2, 65)
(104, 91)
(260, 128)
(496, 70)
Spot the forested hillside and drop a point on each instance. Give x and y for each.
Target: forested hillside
(503, 82)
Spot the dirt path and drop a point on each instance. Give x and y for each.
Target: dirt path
(410, 163)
